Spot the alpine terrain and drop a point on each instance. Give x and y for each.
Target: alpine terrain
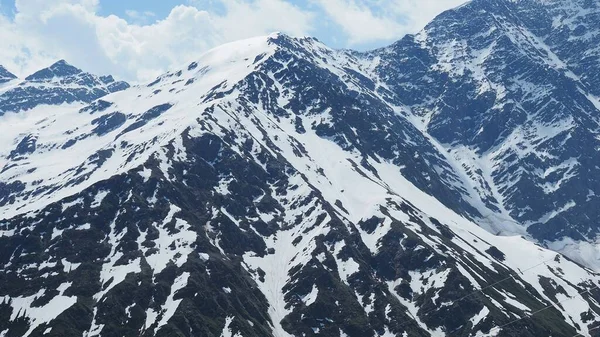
(446, 185)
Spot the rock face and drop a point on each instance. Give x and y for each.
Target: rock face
(60, 83)
(510, 90)
(277, 187)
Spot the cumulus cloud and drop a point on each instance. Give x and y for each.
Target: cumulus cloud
(139, 47)
(43, 31)
(359, 22)
(368, 21)
(415, 14)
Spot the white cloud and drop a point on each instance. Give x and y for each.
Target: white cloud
(263, 16)
(359, 22)
(139, 47)
(138, 17)
(417, 13)
(368, 21)
(44, 31)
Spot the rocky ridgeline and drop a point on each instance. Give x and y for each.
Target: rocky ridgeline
(277, 187)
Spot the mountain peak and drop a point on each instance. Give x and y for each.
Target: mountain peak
(284, 40)
(6, 75)
(62, 64)
(62, 83)
(280, 173)
(59, 69)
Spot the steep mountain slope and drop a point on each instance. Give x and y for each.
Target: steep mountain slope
(509, 90)
(265, 190)
(570, 30)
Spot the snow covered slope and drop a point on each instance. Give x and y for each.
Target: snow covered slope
(271, 188)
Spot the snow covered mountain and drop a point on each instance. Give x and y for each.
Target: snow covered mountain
(60, 83)
(509, 90)
(277, 187)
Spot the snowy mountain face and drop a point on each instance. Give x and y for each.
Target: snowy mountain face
(277, 187)
(60, 83)
(511, 94)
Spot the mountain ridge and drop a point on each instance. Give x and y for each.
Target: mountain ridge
(57, 84)
(500, 96)
(272, 187)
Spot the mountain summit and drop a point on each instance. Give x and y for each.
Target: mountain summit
(60, 83)
(277, 187)
(6, 75)
(59, 69)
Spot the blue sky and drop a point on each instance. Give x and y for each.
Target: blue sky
(152, 10)
(325, 30)
(138, 39)
(160, 8)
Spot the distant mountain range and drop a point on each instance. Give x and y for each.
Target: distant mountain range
(60, 83)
